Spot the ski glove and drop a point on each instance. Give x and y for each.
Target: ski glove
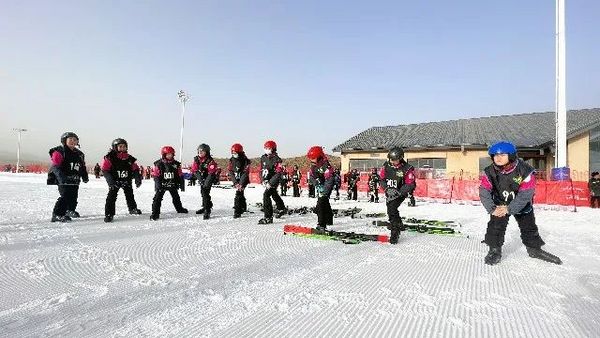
(320, 190)
(392, 194)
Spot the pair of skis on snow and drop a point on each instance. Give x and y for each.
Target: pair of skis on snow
(348, 237)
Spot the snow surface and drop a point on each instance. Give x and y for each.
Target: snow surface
(185, 277)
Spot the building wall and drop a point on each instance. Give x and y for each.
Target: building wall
(578, 157)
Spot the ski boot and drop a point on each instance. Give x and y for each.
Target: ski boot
(543, 255)
(62, 219)
(206, 214)
(394, 235)
(321, 227)
(493, 256)
(72, 214)
(266, 220)
(182, 211)
(280, 212)
(154, 217)
(108, 218)
(200, 211)
(135, 211)
(237, 214)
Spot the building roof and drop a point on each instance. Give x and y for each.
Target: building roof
(533, 130)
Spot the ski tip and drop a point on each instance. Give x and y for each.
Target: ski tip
(383, 238)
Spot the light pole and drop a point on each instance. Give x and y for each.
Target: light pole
(19, 131)
(561, 101)
(183, 98)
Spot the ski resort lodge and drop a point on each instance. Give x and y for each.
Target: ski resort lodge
(458, 148)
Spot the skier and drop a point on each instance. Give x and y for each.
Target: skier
(284, 180)
(311, 186)
(205, 169)
(296, 177)
(67, 170)
(239, 175)
(97, 170)
(270, 175)
(118, 168)
(397, 180)
(506, 189)
(353, 178)
(148, 172)
(594, 186)
(337, 183)
(374, 186)
(322, 176)
(167, 177)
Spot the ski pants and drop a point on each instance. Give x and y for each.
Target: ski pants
(111, 198)
(158, 196)
(239, 203)
(206, 200)
(375, 195)
(311, 190)
(267, 205)
(494, 237)
(393, 213)
(353, 193)
(283, 189)
(67, 200)
(296, 187)
(595, 202)
(324, 212)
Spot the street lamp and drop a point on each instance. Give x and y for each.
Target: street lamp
(183, 98)
(19, 131)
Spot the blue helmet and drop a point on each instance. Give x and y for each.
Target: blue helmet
(503, 147)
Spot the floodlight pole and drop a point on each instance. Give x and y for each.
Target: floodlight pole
(183, 98)
(19, 131)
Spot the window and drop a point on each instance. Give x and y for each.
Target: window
(429, 167)
(595, 149)
(366, 164)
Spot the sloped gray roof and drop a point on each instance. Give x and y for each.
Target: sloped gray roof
(533, 130)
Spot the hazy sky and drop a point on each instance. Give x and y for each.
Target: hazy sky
(298, 72)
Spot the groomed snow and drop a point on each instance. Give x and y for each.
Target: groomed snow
(185, 277)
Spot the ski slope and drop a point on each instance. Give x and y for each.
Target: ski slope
(185, 277)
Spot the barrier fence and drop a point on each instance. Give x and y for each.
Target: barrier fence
(566, 193)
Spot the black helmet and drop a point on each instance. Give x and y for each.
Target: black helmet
(396, 153)
(66, 135)
(205, 148)
(118, 141)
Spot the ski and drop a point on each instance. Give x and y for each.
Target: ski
(344, 236)
(422, 228)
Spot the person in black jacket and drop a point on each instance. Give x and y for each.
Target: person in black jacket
(594, 186)
(271, 170)
(397, 178)
(66, 171)
(97, 170)
(168, 176)
(353, 178)
(296, 177)
(322, 176)
(119, 168)
(507, 188)
(374, 186)
(285, 178)
(205, 169)
(239, 174)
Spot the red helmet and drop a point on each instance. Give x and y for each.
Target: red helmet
(167, 150)
(271, 145)
(315, 152)
(237, 148)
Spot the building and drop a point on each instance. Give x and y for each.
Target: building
(458, 148)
